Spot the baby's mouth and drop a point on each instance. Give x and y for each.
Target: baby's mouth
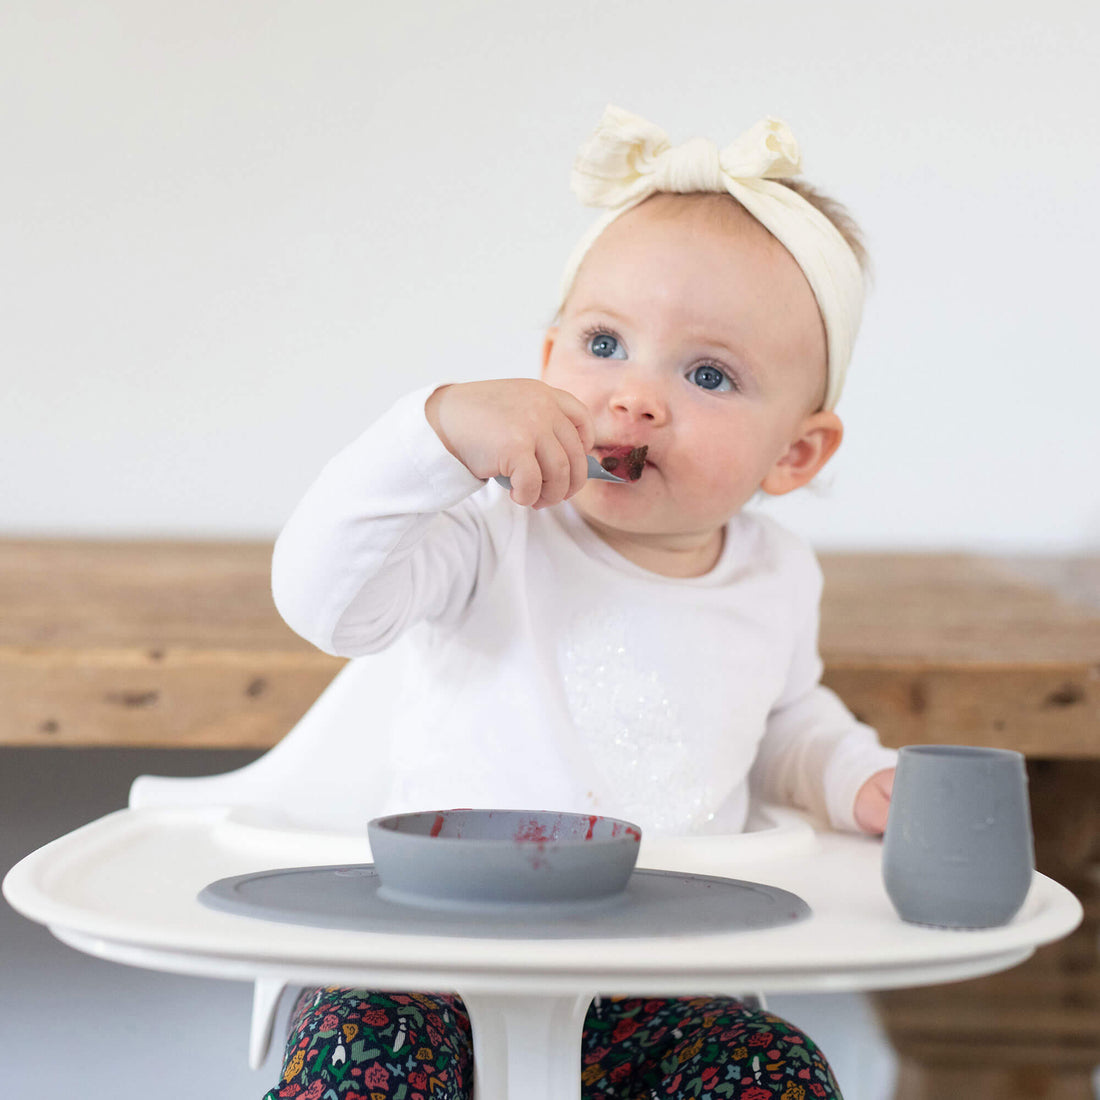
(625, 461)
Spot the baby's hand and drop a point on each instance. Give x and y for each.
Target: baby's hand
(873, 802)
(524, 429)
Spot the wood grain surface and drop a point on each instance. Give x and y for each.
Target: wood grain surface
(177, 644)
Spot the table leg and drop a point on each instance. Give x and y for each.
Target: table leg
(527, 1047)
(1032, 1032)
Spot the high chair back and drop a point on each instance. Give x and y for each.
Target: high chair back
(328, 772)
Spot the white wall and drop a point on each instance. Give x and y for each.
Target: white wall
(231, 232)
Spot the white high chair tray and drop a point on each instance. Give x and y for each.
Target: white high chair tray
(125, 887)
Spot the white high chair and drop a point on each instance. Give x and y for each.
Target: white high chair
(330, 769)
(125, 888)
(325, 773)
(322, 775)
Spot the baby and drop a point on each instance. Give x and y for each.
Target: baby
(647, 649)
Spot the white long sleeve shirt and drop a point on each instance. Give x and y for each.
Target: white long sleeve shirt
(541, 669)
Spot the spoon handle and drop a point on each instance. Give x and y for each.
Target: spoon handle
(594, 470)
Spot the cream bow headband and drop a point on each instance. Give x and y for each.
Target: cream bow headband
(627, 159)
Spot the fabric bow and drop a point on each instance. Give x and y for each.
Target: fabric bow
(627, 157)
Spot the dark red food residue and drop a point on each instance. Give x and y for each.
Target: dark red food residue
(628, 462)
(618, 828)
(533, 831)
(437, 825)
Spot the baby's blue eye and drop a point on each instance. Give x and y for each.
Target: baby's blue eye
(605, 346)
(710, 378)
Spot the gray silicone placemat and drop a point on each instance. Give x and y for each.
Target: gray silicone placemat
(654, 903)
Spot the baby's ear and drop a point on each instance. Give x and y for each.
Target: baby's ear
(548, 345)
(818, 437)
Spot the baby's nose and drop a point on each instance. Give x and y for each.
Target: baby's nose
(641, 398)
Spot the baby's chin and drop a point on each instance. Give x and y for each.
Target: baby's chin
(658, 527)
(606, 507)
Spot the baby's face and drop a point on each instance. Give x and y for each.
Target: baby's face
(692, 331)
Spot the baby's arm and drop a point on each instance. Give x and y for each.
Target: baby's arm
(815, 754)
(384, 537)
(528, 431)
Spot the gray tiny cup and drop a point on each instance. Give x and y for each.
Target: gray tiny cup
(958, 849)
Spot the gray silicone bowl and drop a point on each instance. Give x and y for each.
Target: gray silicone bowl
(462, 858)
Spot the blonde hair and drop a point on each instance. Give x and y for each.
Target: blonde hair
(720, 202)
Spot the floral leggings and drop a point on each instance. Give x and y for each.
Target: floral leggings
(348, 1044)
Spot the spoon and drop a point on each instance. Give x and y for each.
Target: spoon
(594, 470)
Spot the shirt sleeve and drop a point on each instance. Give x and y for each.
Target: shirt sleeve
(815, 754)
(385, 537)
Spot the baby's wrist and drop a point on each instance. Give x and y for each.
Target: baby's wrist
(432, 414)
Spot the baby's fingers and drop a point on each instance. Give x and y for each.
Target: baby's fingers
(576, 433)
(554, 462)
(575, 455)
(872, 806)
(577, 412)
(526, 479)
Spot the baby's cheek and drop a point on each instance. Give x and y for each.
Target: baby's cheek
(720, 470)
(711, 497)
(736, 487)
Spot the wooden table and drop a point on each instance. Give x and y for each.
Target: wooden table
(177, 645)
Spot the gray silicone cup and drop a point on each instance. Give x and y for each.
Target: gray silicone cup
(958, 850)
